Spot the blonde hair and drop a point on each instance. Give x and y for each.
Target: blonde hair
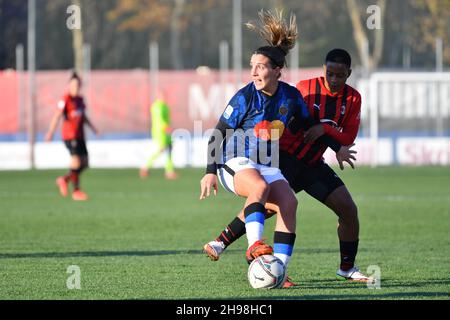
(274, 29)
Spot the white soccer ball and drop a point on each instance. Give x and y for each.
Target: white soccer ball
(267, 272)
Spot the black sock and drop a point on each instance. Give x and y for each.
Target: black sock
(284, 238)
(349, 249)
(75, 177)
(283, 243)
(236, 229)
(232, 232)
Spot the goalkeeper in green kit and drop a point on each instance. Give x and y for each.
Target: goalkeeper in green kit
(160, 114)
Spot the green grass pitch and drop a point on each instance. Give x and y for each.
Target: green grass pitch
(142, 239)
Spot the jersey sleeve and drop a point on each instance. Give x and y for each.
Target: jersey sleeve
(301, 118)
(350, 127)
(231, 118)
(330, 142)
(235, 111)
(61, 104)
(302, 87)
(214, 144)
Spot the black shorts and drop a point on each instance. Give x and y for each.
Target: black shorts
(76, 147)
(319, 181)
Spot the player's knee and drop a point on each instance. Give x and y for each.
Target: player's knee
(261, 187)
(84, 163)
(75, 166)
(348, 212)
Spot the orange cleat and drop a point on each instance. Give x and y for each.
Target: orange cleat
(288, 283)
(257, 249)
(171, 175)
(143, 173)
(79, 195)
(62, 184)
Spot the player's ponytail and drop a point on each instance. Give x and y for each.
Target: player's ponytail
(280, 35)
(75, 75)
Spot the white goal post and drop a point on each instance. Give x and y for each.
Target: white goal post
(405, 96)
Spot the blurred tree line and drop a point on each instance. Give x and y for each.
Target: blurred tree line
(189, 31)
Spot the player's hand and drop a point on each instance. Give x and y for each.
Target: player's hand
(208, 181)
(48, 137)
(94, 130)
(314, 133)
(345, 154)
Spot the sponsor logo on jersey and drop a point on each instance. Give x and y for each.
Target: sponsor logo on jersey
(329, 121)
(76, 113)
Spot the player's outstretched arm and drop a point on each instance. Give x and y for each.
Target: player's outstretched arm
(208, 182)
(53, 124)
(89, 123)
(314, 133)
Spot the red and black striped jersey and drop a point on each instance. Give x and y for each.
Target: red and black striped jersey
(338, 112)
(74, 117)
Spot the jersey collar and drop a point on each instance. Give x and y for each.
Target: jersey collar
(328, 92)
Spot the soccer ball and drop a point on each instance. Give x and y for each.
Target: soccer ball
(267, 272)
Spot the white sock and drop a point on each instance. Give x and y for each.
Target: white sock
(254, 231)
(284, 258)
(254, 222)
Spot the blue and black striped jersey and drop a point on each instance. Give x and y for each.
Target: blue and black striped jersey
(255, 121)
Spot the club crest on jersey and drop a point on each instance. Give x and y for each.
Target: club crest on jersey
(283, 110)
(343, 109)
(228, 111)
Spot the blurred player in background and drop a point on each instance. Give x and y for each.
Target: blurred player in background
(73, 111)
(161, 136)
(336, 106)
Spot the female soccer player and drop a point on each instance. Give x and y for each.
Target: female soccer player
(72, 109)
(337, 106)
(253, 121)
